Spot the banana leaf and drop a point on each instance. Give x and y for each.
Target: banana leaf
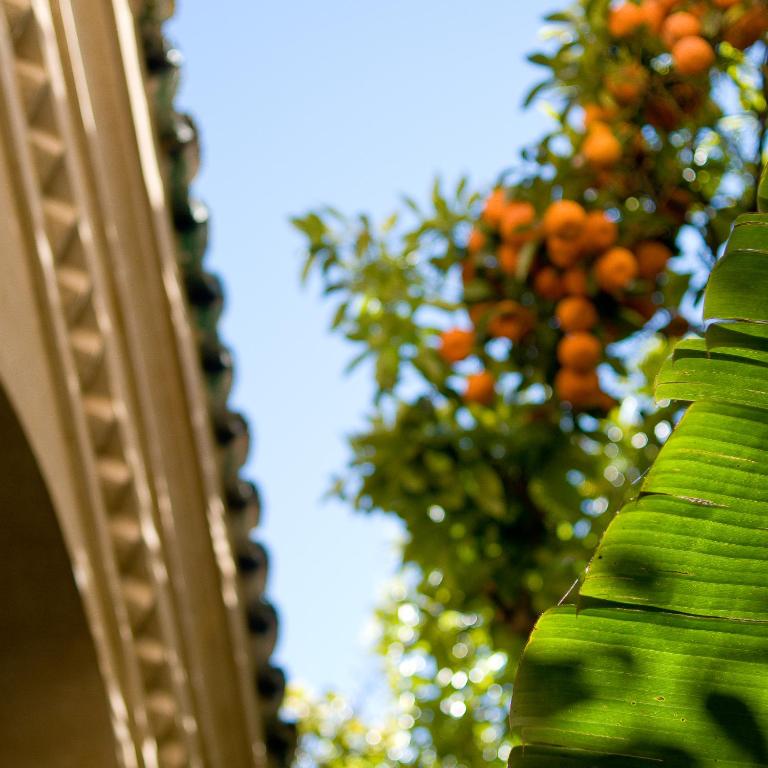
(661, 659)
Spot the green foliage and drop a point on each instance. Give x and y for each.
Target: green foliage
(450, 690)
(508, 506)
(391, 283)
(662, 656)
(504, 501)
(334, 737)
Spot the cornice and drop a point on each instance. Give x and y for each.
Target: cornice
(169, 622)
(76, 293)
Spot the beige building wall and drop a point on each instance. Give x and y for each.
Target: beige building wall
(123, 634)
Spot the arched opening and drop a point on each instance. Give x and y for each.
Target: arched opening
(53, 707)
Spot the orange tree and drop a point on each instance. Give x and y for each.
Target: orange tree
(504, 327)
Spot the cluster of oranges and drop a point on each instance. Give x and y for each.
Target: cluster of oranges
(687, 28)
(578, 266)
(680, 30)
(574, 259)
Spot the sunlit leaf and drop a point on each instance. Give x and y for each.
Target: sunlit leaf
(663, 657)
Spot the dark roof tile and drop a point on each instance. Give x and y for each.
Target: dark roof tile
(180, 142)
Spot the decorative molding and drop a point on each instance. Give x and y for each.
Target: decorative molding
(180, 156)
(149, 542)
(125, 499)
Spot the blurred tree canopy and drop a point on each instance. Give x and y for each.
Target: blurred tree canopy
(514, 334)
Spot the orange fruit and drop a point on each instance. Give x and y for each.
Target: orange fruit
(480, 388)
(456, 344)
(615, 269)
(575, 282)
(652, 258)
(599, 232)
(476, 241)
(725, 3)
(596, 113)
(653, 15)
(748, 28)
(546, 283)
(692, 55)
(600, 147)
(679, 25)
(494, 207)
(625, 19)
(563, 252)
(575, 313)
(507, 256)
(579, 388)
(581, 351)
(627, 83)
(564, 219)
(516, 221)
(510, 320)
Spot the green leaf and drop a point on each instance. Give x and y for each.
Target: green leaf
(663, 658)
(675, 287)
(724, 371)
(307, 268)
(488, 490)
(704, 499)
(539, 58)
(389, 223)
(339, 315)
(739, 284)
(430, 365)
(558, 17)
(387, 369)
(641, 688)
(536, 90)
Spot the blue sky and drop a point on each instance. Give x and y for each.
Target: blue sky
(350, 103)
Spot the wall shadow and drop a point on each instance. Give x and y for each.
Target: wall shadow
(53, 707)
